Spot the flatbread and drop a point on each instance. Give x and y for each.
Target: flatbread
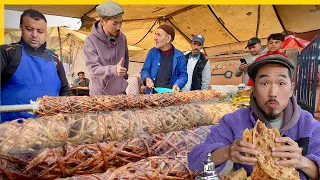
(247, 136)
(264, 140)
(240, 174)
(258, 174)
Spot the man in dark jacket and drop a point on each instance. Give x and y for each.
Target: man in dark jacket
(28, 70)
(198, 67)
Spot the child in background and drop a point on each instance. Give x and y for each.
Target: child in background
(274, 44)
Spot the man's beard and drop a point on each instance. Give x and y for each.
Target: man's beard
(195, 52)
(272, 115)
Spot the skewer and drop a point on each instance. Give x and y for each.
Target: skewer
(20, 107)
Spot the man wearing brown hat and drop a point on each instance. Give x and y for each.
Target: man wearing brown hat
(165, 66)
(106, 52)
(255, 49)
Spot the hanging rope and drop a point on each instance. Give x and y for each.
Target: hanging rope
(146, 33)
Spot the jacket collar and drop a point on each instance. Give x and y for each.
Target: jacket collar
(29, 48)
(202, 57)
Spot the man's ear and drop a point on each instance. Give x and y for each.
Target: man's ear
(102, 21)
(292, 88)
(169, 38)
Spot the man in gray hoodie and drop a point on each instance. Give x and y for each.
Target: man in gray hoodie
(106, 52)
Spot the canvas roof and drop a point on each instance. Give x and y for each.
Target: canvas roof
(219, 24)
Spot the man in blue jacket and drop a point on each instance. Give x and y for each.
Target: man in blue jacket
(165, 66)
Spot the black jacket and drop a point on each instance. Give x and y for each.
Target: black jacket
(197, 72)
(10, 55)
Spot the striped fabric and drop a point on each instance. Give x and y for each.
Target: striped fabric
(134, 84)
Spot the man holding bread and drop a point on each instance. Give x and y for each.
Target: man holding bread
(272, 102)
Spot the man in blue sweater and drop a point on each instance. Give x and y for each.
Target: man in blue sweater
(272, 101)
(165, 66)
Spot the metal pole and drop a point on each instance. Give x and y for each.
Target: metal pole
(258, 21)
(16, 108)
(61, 59)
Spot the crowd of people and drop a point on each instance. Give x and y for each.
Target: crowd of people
(107, 59)
(29, 71)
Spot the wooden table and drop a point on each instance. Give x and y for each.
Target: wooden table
(80, 91)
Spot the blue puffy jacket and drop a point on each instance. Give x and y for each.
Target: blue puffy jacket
(179, 68)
